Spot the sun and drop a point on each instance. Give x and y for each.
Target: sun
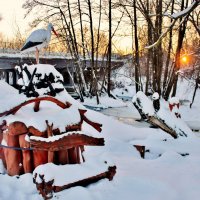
(184, 59)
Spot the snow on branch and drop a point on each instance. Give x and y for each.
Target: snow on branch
(161, 36)
(175, 17)
(186, 11)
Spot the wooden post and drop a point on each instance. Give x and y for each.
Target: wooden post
(14, 78)
(37, 106)
(13, 157)
(72, 155)
(7, 76)
(50, 133)
(63, 157)
(26, 154)
(141, 150)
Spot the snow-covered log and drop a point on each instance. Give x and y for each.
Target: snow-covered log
(163, 118)
(48, 177)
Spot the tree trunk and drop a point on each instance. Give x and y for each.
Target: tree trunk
(109, 48)
(169, 52)
(137, 64)
(181, 34)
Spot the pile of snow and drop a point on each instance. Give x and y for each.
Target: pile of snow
(144, 102)
(77, 172)
(174, 100)
(146, 105)
(155, 96)
(9, 97)
(170, 171)
(48, 111)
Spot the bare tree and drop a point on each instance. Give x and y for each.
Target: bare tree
(109, 46)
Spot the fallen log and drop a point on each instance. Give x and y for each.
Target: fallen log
(161, 118)
(46, 189)
(159, 123)
(85, 182)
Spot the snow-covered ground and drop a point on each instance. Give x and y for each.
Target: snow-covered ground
(170, 170)
(164, 174)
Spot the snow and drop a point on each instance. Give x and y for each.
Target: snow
(76, 171)
(43, 69)
(170, 174)
(105, 102)
(144, 102)
(174, 100)
(9, 97)
(155, 96)
(185, 11)
(124, 84)
(170, 170)
(50, 112)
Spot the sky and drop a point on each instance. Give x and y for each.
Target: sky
(12, 15)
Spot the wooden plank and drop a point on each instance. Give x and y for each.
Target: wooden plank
(159, 123)
(141, 150)
(67, 142)
(95, 125)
